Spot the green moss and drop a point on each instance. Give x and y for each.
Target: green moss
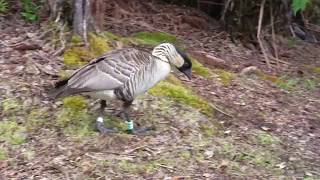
(110, 35)
(268, 77)
(263, 159)
(287, 83)
(76, 39)
(12, 133)
(182, 95)
(267, 139)
(185, 154)
(291, 83)
(74, 103)
(174, 80)
(154, 38)
(104, 163)
(199, 69)
(10, 106)
(3, 154)
(316, 70)
(134, 167)
(227, 148)
(77, 56)
(37, 118)
(208, 131)
(29, 154)
(128, 166)
(98, 44)
(224, 76)
(74, 117)
(63, 74)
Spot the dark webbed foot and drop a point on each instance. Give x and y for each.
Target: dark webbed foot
(141, 131)
(101, 127)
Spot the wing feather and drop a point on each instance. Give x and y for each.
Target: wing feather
(108, 72)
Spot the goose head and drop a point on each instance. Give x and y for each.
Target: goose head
(173, 55)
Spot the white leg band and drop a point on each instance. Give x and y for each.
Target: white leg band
(100, 119)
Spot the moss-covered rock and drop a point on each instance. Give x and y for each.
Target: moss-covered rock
(182, 95)
(154, 38)
(199, 69)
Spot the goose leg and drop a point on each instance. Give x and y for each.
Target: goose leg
(130, 128)
(99, 123)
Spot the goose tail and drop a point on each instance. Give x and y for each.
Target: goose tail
(60, 89)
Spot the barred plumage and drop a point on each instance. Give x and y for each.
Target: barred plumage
(124, 74)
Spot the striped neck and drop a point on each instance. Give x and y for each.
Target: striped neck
(165, 51)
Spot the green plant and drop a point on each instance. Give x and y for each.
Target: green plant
(3, 6)
(298, 5)
(287, 84)
(30, 10)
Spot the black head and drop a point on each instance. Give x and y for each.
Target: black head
(186, 67)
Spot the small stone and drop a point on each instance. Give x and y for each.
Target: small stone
(281, 165)
(208, 154)
(265, 128)
(308, 174)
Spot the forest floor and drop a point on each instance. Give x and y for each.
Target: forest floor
(273, 131)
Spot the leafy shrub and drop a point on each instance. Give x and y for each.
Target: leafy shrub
(3, 6)
(30, 10)
(298, 5)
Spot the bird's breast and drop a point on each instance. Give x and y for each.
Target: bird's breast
(105, 94)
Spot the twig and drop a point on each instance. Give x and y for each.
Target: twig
(259, 33)
(171, 169)
(274, 37)
(221, 111)
(134, 149)
(62, 40)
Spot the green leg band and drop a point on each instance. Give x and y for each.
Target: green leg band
(130, 125)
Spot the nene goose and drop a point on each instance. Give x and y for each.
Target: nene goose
(123, 74)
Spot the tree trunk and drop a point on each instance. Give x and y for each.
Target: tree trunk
(83, 15)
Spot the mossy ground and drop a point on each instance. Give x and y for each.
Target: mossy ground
(79, 55)
(182, 95)
(293, 82)
(199, 69)
(74, 117)
(154, 38)
(224, 76)
(60, 142)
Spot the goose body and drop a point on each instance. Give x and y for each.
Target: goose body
(124, 73)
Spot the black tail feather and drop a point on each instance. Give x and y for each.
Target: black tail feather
(59, 89)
